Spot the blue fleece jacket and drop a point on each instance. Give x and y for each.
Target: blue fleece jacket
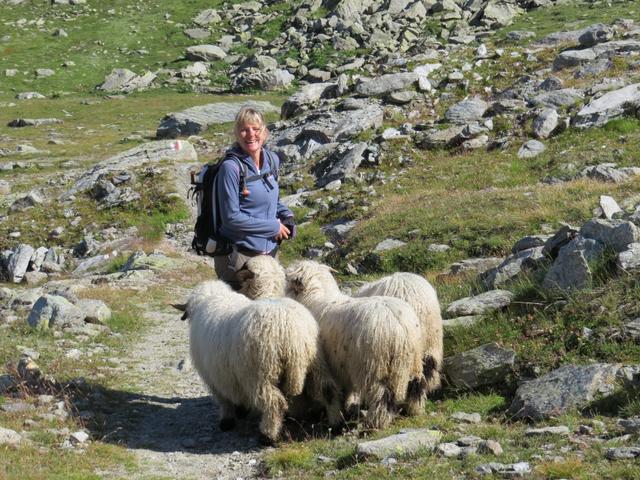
(249, 221)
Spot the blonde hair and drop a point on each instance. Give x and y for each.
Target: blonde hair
(248, 115)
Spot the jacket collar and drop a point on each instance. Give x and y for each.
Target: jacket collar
(244, 157)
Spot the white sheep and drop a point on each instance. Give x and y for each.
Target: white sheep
(256, 354)
(420, 294)
(372, 344)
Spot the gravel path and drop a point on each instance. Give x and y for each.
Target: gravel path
(171, 424)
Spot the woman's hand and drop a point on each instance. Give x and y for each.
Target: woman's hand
(283, 234)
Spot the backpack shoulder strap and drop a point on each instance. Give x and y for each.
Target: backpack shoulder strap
(243, 171)
(272, 163)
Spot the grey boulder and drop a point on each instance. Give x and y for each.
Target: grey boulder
(545, 123)
(531, 149)
(617, 234)
(19, 262)
(466, 111)
(629, 260)
(387, 83)
(205, 53)
(563, 389)
(51, 311)
(121, 80)
(609, 106)
(407, 442)
(598, 33)
(195, 120)
(483, 366)
(480, 304)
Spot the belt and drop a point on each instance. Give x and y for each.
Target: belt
(247, 251)
(253, 253)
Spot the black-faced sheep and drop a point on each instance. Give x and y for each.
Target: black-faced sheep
(256, 354)
(373, 345)
(420, 294)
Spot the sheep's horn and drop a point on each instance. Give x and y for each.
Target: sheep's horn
(180, 306)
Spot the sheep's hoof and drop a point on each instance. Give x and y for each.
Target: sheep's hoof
(227, 424)
(265, 441)
(241, 411)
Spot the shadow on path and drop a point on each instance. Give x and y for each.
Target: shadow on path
(162, 424)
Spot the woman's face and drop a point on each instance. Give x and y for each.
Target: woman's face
(251, 137)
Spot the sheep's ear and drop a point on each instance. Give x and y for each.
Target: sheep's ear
(332, 270)
(244, 274)
(184, 316)
(296, 286)
(180, 306)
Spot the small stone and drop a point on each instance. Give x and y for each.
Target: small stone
(16, 407)
(531, 149)
(388, 244)
(407, 442)
(438, 248)
(74, 354)
(9, 437)
(79, 437)
(449, 450)
(630, 425)
(609, 206)
(560, 430)
(490, 447)
(469, 441)
(623, 453)
(467, 417)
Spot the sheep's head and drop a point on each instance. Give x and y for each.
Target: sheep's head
(308, 277)
(262, 277)
(215, 292)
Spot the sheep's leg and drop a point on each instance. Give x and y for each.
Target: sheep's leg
(381, 406)
(416, 394)
(431, 370)
(227, 412)
(333, 406)
(241, 411)
(272, 403)
(352, 406)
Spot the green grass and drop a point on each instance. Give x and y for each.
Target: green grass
(34, 462)
(572, 16)
(479, 203)
(95, 46)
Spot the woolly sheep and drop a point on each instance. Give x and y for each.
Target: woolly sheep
(256, 354)
(262, 276)
(420, 294)
(372, 344)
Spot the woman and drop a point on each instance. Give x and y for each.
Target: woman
(251, 215)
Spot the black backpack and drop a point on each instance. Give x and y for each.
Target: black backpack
(207, 239)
